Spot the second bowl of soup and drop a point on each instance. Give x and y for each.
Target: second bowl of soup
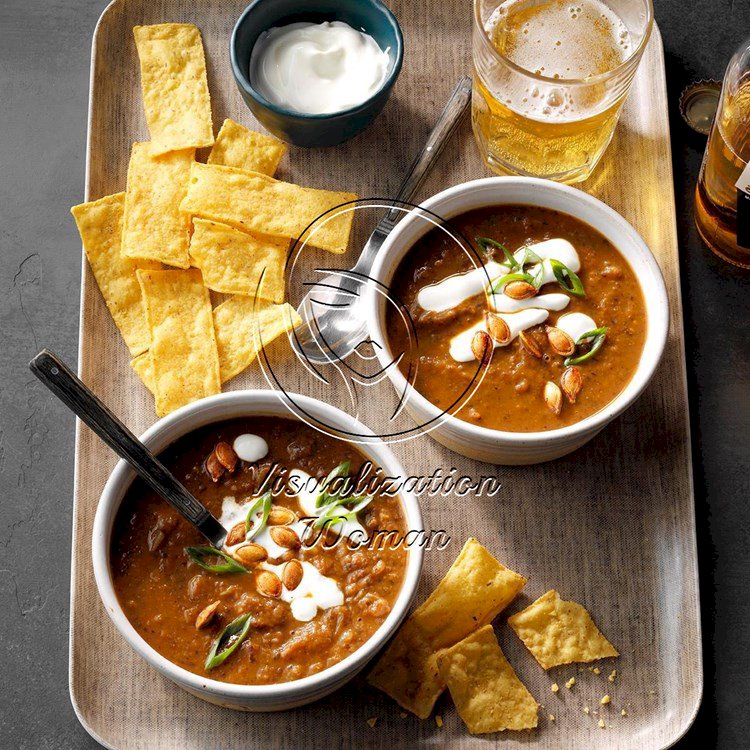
(314, 577)
(535, 314)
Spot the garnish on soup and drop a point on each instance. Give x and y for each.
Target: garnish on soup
(290, 594)
(553, 307)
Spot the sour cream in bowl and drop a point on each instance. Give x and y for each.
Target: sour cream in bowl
(317, 68)
(316, 76)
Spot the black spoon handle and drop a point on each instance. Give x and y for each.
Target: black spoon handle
(58, 377)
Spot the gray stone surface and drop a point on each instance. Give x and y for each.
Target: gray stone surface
(44, 65)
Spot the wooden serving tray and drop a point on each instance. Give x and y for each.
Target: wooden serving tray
(611, 526)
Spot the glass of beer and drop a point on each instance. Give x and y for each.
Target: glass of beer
(550, 78)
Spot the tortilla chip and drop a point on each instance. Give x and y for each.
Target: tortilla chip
(185, 363)
(242, 324)
(174, 86)
(100, 226)
(155, 228)
(488, 695)
(473, 592)
(236, 262)
(254, 202)
(236, 146)
(143, 367)
(408, 671)
(559, 632)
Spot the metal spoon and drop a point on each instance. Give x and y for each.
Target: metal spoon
(58, 377)
(331, 310)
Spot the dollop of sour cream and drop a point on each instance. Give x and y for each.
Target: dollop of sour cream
(460, 345)
(233, 513)
(576, 324)
(518, 314)
(317, 68)
(455, 289)
(250, 448)
(315, 591)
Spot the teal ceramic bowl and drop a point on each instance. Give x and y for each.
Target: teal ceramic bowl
(370, 16)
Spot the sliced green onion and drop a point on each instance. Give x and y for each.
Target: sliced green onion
(332, 513)
(498, 284)
(591, 334)
(200, 555)
(485, 242)
(529, 256)
(228, 640)
(598, 335)
(538, 275)
(337, 512)
(331, 517)
(340, 471)
(252, 527)
(572, 284)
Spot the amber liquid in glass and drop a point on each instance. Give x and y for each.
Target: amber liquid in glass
(559, 133)
(727, 154)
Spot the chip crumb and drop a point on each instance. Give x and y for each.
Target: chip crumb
(606, 699)
(403, 714)
(652, 692)
(596, 670)
(439, 721)
(552, 717)
(586, 710)
(623, 712)
(601, 724)
(612, 676)
(569, 684)
(555, 687)
(372, 721)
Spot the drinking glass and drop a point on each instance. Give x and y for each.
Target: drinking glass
(550, 78)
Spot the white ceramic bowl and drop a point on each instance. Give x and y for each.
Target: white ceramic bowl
(249, 697)
(497, 446)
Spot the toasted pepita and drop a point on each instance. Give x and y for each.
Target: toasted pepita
(560, 341)
(236, 534)
(520, 290)
(497, 328)
(530, 344)
(281, 516)
(571, 383)
(206, 615)
(250, 554)
(268, 584)
(292, 574)
(553, 397)
(285, 537)
(481, 347)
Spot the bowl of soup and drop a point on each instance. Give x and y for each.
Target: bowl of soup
(522, 315)
(316, 573)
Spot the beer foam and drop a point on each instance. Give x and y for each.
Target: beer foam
(560, 39)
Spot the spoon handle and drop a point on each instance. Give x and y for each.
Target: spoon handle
(58, 377)
(436, 140)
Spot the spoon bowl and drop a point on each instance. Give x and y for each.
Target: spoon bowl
(333, 312)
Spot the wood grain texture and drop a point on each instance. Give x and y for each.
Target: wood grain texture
(611, 526)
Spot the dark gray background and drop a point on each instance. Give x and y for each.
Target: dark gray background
(44, 69)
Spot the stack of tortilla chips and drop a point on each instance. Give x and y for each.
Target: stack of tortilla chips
(182, 228)
(449, 642)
